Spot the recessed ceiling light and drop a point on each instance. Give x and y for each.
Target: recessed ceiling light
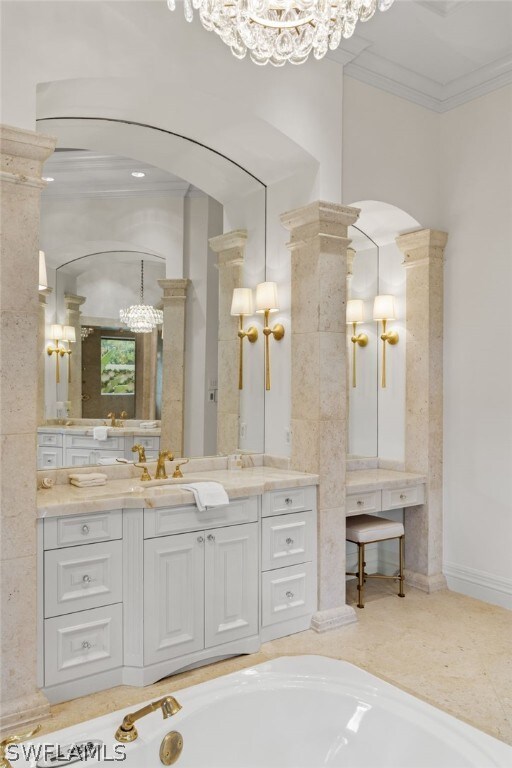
(48, 178)
(138, 174)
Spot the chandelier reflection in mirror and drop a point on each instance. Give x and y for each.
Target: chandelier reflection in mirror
(141, 318)
(278, 31)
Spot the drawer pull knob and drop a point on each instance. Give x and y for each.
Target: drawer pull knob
(289, 541)
(403, 495)
(85, 529)
(86, 579)
(210, 537)
(360, 503)
(200, 539)
(289, 595)
(86, 645)
(288, 501)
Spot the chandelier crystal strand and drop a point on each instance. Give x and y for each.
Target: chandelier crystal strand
(277, 31)
(141, 318)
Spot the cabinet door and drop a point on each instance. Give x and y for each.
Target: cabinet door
(231, 583)
(49, 458)
(173, 596)
(78, 457)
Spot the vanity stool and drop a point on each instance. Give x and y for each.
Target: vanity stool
(367, 529)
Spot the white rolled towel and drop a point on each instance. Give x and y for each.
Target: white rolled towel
(84, 476)
(207, 495)
(87, 483)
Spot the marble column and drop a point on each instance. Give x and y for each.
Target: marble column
(22, 154)
(230, 248)
(42, 356)
(73, 304)
(318, 244)
(173, 363)
(423, 259)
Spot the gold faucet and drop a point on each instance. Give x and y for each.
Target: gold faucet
(128, 732)
(4, 762)
(123, 416)
(141, 450)
(161, 474)
(112, 416)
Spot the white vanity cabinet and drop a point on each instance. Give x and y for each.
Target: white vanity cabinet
(67, 449)
(131, 596)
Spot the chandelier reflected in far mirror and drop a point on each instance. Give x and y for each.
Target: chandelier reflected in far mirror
(277, 31)
(141, 318)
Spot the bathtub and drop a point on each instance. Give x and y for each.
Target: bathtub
(293, 712)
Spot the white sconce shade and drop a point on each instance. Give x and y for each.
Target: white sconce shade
(69, 333)
(384, 307)
(242, 303)
(355, 311)
(43, 278)
(57, 332)
(266, 297)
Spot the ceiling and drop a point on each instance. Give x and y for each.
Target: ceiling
(437, 53)
(81, 173)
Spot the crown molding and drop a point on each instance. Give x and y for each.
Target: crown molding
(442, 7)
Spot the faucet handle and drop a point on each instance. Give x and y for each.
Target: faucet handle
(177, 472)
(14, 739)
(145, 474)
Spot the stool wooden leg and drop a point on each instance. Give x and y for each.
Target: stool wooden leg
(360, 575)
(402, 542)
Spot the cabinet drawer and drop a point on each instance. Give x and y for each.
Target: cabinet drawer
(83, 644)
(287, 593)
(169, 520)
(358, 503)
(49, 458)
(294, 500)
(49, 438)
(79, 578)
(149, 443)
(403, 497)
(87, 441)
(288, 540)
(82, 529)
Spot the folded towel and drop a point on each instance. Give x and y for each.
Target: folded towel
(207, 495)
(148, 425)
(85, 476)
(100, 433)
(87, 483)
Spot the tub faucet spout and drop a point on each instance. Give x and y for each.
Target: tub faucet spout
(127, 730)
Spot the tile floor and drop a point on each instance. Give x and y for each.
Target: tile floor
(447, 649)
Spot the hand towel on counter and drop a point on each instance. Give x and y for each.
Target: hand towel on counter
(148, 425)
(207, 495)
(100, 433)
(87, 479)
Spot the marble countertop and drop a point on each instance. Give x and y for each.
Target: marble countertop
(84, 429)
(130, 493)
(361, 480)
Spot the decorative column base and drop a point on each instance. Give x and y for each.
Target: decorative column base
(433, 583)
(333, 618)
(22, 713)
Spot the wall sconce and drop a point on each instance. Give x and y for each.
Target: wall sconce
(266, 302)
(355, 315)
(59, 333)
(384, 309)
(241, 305)
(43, 278)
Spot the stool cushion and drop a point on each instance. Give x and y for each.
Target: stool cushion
(362, 529)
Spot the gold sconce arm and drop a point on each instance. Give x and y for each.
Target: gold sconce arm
(277, 332)
(391, 337)
(251, 334)
(362, 340)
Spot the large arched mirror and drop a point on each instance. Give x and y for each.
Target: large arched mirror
(110, 226)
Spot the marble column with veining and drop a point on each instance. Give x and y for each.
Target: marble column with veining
(318, 245)
(173, 363)
(22, 154)
(42, 356)
(74, 361)
(423, 260)
(230, 248)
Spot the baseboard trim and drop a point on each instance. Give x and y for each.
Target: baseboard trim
(432, 583)
(333, 618)
(481, 585)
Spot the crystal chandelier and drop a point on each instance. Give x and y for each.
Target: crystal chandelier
(141, 318)
(278, 31)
